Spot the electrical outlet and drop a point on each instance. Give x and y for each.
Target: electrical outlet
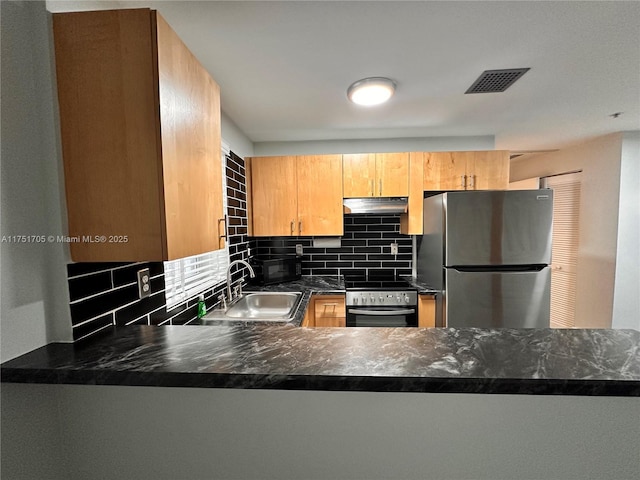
(299, 249)
(144, 283)
(394, 249)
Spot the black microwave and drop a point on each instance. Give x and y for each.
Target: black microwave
(272, 269)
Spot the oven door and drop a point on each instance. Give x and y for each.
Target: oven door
(382, 316)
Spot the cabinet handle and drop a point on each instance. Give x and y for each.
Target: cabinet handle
(225, 234)
(463, 182)
(373, 193)
(293, 223)
(472, 182)
(380, 187)
(300, 227)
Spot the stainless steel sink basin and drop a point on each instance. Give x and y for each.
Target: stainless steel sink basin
(261, 306)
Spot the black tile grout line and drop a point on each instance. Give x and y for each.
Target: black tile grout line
(93, 333)
(85, 322)
(114, 310)
(113, 289)
(119, 267)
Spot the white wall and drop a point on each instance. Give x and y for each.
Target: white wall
(235, 138)
(169, 433)
(34, 299)
(528, 184)
(599, 160)
(422, 144)
(31, 422)
(626, 300)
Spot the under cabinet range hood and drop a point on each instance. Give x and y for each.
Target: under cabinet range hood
(375, 205)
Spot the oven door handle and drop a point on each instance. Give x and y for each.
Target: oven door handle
(405, 311)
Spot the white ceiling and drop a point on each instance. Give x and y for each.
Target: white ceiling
(284, 67)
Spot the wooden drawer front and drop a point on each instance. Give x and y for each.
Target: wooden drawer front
(330, 312)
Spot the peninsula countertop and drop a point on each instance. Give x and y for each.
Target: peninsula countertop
(448, 360)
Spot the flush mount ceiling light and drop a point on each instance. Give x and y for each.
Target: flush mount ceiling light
(371, 91)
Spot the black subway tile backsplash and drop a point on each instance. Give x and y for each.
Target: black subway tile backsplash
(84, 310)
(102, 323)
(366, 244)
(139, 309)
(89, 285)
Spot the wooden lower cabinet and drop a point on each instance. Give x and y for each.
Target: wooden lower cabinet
(326, 311)
(426, 310)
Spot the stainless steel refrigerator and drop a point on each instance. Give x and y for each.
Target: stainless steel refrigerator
(488, 254)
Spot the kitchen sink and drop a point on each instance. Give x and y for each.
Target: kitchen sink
(260, 306)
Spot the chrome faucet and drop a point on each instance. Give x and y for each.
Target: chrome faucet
(252, 274)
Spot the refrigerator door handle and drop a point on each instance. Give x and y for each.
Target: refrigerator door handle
(405, 311)
(501, 268)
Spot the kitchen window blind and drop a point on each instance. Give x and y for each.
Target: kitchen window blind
(566, 221)
(187, 277)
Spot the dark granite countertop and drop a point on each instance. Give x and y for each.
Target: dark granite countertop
(421, 284)
(526, 361)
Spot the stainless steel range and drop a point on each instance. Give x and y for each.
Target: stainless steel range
(380, 299)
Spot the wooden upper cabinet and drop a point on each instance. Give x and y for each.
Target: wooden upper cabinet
(320, 210)
(482, 170)
(274, 196)
(376, 175)
(140, 129)
(445, 170)
(490, 170)
(392, 172)
(411, 221)
(359, 175)
(293, 196)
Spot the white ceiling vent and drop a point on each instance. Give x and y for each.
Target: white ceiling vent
(493, 81)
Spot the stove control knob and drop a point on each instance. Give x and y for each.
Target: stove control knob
(381, 299)
(406, 299)
(398, 298)
(355, 300)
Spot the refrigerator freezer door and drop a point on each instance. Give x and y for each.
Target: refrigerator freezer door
(518, 299)
(498, 228)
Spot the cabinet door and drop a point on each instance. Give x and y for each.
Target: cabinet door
(329, 311)
(192, 174)
(359, 175)
(446, 170)
(107, 95)
(426, 310)
(392, 173)
(140, 127)
(488, 170)
(319, 192)
(274, 196)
